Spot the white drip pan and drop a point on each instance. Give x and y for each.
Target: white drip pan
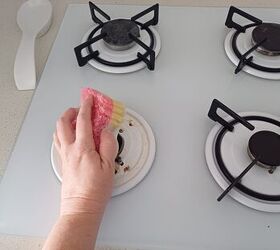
(137, 155)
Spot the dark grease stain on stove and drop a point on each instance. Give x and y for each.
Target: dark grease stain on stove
(118, 33)
(266, 145)
(127, 168)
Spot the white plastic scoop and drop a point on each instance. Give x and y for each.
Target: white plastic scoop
(34, 19)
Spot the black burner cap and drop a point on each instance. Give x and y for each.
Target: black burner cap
(270, 32)
(117, 32)
(266, 145)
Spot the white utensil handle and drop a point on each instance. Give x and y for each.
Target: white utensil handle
(24, 69)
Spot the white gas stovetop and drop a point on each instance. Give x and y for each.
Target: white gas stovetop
(175, 206)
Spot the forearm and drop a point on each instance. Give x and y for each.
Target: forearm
(77, 232)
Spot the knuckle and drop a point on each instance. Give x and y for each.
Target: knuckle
(79, 149)
(65, 116)
(61, 119)
(71, 109)
(82, 148)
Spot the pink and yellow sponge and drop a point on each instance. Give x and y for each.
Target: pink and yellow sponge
(106, 112)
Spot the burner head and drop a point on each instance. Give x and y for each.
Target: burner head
(270, 32)
(117, 33)
(266, 145)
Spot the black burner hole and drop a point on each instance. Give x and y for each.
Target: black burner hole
(121, 146)
(130, 123)
(119, 161)
(120, 143)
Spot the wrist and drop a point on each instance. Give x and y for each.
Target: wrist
(80, 219)
(80, 205)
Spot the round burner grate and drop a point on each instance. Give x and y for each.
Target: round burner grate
(227, 156)
(236, 44)
(225, 170)
(112, 60)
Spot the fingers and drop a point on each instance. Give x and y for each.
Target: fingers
(65, 130)
(108, 147)
(56, 141)
(83, 125)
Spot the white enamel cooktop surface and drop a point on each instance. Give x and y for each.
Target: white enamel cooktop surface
(175, 206)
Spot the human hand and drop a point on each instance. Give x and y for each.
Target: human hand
(87, 176)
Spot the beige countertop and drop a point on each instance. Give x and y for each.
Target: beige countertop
(14, 104)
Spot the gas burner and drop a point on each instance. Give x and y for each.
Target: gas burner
(242, 152)
(270, 32)
(120, 45)
(117, 33)
(266, 145)
(136, 153)
(254, 47)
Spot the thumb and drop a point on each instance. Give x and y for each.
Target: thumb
(108, 148)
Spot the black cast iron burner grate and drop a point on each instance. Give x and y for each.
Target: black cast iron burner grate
(119, 41)
(260, 156)
(264, 42)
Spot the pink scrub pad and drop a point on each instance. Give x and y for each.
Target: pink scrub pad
(105, 112)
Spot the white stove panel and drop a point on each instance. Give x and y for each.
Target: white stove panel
(175, 206)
